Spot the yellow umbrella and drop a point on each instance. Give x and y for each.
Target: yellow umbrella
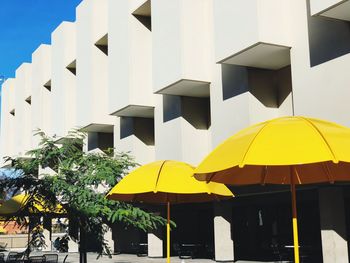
(18, 203)
(166, 182)
(2, 230)
(287, 150)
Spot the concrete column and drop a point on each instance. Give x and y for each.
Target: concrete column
(47, 238)
(222, 232)
(108, 236)
(155, 243)
(73, 230)
(333, 225)
(73, 246)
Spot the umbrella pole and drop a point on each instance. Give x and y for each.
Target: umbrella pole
(295, 218)
(168, 234)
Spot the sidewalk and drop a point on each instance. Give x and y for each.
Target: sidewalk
(125, 258)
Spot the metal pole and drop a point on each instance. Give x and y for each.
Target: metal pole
(294, 217)
(168, 234)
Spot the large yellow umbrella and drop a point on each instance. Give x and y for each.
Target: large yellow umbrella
(287, 150)
(166, 182)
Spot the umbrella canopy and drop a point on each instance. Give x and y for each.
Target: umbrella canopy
(17, 203)
(318, 151)
(287, 150)
(166, 182)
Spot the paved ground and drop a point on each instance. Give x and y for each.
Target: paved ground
(124, 258)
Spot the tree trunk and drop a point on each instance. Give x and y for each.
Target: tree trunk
(82, 247)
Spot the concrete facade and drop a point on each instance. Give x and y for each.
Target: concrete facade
(41, 92)
(333, 225)
(64, 88)
(223, 233)
(171, 79)
(92, 66)
(23, 102)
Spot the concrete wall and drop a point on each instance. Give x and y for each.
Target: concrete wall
(41, 95)
(181, 35)
(23, 102)
(241, 90)
(130, 59)
(336, 9)
(319, 91)
(7, 118)
(130, 91)
(333, 225)
(64, 88)
(92, 62)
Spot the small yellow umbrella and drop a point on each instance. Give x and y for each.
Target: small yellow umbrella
(2, 230)
(17, 203)
(166, 182)
(287, 150)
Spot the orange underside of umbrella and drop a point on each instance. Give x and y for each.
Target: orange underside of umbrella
(279, 174)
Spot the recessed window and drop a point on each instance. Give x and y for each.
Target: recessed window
(29, 100)
(72, 67)
(328, 38)
(102, 44)
(100, 140)
(194, 110)
(143, 14)
(142, 128)
(47, 85)
(270, 87)
(13, 112)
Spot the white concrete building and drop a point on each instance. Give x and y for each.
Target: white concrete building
(171, 79)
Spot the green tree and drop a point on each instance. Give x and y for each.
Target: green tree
(79, 182)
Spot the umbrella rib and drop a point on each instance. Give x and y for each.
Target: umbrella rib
(297, 174)
(335, 159)
(211, 177)
(328, 173)
(159, 172)
(251, 143)
(264, 175)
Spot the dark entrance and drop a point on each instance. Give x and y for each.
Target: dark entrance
(262, 228)
(194, 232)
(130, 240)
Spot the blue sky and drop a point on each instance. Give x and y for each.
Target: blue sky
(25, 24)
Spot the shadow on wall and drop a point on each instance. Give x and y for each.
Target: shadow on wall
(145, 20)
(328, 38)
(142, 128)
(143, 14)
(194, 110)
(270, 87)
(102, 44)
